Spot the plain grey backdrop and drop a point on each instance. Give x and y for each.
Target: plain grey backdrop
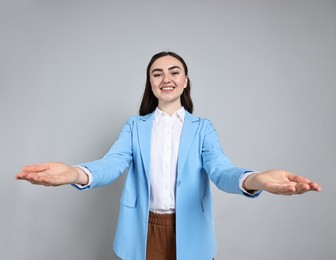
(72, 72)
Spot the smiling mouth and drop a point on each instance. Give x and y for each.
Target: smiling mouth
(167, 88)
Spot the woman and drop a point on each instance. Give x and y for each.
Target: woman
(166, 205)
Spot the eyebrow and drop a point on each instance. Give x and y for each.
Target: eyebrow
(170, 68)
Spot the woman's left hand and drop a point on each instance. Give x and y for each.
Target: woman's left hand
(280, 182)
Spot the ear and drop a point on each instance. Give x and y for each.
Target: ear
(186, 81)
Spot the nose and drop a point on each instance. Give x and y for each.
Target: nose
(166, 78)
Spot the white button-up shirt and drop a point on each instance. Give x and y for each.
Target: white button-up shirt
(166, 134)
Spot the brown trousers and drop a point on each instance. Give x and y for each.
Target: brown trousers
(161, 239)
(161, 242)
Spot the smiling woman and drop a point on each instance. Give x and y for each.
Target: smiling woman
(166, 205)
(168, 81)
(176, 70)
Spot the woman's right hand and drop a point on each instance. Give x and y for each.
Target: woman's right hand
(52, 174)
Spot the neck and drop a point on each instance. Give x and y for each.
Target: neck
(170, 108)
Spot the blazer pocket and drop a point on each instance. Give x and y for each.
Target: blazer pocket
(128, 199)
(206, 202)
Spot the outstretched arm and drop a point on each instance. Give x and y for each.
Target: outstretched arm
(53, 174)
(280, 182)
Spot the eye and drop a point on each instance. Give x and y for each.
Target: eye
(155, 75)
(175, 73)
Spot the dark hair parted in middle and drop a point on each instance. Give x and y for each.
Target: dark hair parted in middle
(149, 102)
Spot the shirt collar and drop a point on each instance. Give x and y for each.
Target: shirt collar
(179, 114)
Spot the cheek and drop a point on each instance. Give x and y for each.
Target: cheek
(154, 83)
(154, 88)
(183, 83)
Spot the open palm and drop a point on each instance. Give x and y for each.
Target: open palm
(48, 174)
(285, 183)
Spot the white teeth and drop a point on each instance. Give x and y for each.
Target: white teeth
(167, 88)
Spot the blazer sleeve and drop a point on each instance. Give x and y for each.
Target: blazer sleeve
(222, 173)
(115, 162)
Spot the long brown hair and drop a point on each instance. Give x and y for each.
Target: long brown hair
(149, 102)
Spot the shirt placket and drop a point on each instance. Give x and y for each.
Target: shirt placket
(167, 153)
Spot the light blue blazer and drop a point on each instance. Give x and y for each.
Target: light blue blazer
(200, 160)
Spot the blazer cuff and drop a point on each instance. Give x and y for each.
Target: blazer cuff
(89, 174)
(253, 194)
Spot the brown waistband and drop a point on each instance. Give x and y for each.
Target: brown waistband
(162, 219)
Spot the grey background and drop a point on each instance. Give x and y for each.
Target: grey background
(72, 72)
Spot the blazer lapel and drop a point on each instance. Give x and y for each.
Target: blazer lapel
(187, 136)
(144, 136)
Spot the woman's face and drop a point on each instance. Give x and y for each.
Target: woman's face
(168, 80)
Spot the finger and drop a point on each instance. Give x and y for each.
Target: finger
(36, 167)
(29, 175)
(281, 189)
(302, 188)
(41, 179)
(314, 186)
(297, 178)
(21, 175)
(25, 177)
